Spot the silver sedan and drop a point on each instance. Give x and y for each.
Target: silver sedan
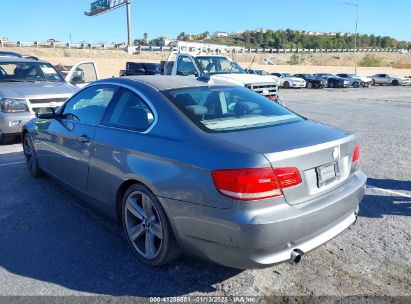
(200, 167)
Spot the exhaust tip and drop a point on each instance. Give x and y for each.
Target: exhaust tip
(295, 256)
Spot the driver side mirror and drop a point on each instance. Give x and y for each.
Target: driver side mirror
(46, 113)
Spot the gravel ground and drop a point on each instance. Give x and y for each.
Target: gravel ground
(51, 244)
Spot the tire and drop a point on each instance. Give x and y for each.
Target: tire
(30, 157)
(356, 84)
(331, 84)
(395, 83)
(147, 229)
(309, 85)
(373, 82)
(7, 139)
(286, 85)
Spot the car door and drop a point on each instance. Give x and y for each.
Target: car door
(82, 73)
(65, 142)
(380, 78)
(386, 79)
(121, 144)
(186, 67)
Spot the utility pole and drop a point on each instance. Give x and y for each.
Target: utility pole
(356, 27)
(129, 44)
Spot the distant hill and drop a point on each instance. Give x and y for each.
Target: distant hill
(298, 39)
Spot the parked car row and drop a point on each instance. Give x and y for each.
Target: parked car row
(341, 80)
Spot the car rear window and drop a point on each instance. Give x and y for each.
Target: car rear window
(224, 109)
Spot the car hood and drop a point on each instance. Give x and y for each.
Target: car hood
(36, 89)
(284, 137)
(243, 79)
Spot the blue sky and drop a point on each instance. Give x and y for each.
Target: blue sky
(42, 19)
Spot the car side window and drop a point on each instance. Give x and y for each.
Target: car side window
(89, 105)
(129, 112)
(185, 66)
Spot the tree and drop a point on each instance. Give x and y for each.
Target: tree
(183, 37)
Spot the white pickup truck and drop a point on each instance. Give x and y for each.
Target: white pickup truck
(219, 68)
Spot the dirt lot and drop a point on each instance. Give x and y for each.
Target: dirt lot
(51, 244)
(111, 62)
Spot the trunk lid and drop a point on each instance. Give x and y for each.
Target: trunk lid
(321, 153)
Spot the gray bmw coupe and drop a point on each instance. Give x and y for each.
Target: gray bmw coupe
(200, 167)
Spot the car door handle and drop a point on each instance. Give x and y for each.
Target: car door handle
(84, 139)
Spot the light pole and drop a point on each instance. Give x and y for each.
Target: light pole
(356, 27)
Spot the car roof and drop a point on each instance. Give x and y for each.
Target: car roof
(21, 60)
(163, 82)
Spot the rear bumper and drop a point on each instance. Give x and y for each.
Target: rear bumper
(12, 123)
(260, 238)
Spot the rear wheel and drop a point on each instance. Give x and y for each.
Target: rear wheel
(286, 85)
(356, 84)
(31, 157)
(147, 228)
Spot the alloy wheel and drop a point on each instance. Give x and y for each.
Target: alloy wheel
(143, 225)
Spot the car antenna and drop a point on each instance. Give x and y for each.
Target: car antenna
(252, 61)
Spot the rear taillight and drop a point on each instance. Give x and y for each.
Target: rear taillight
(288, 177)
(255, 184)
(356, 154)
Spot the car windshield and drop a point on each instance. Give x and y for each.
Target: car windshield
(218, 65)
(223, 109)
(286, 74)
(308, 75)
(28, 71)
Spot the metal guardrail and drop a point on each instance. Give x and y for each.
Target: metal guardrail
(222, 49)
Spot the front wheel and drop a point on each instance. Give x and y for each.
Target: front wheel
(309, 85)
(356, 84)
(286, 85)
(395, 83)
(331, 84)
(147, 228)
(373, 82)
(7, 139)
(30, 157)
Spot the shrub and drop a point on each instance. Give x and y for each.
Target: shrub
(295, 59)
(370, 61)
